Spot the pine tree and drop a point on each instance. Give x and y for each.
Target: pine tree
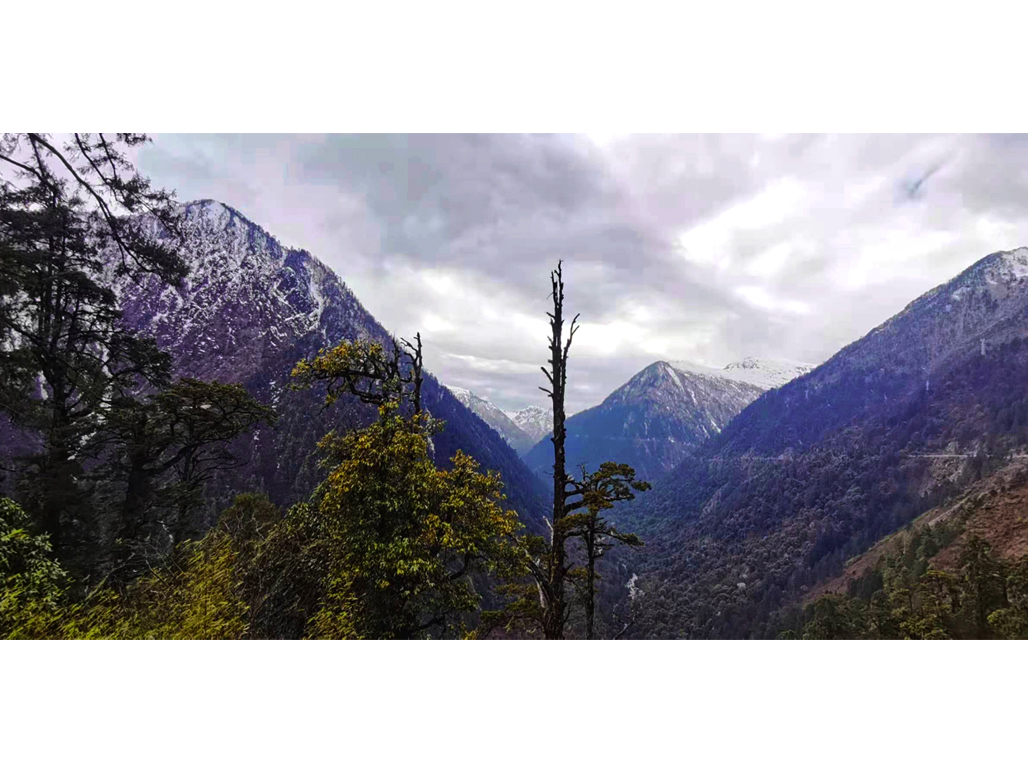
(595, 492)
(164, 449)
(67, 219)
(984, 583)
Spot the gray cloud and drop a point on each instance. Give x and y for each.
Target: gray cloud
(707, 248)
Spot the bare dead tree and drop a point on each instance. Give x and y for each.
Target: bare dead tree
(556, 607)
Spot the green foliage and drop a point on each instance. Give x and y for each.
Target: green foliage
(197, 596)
(915, 600)
(1011, 621)
(807, 478)
(391, 542)
(31, 580)
(984, 580)
(365, 370)
(835, 618)
(165, 449)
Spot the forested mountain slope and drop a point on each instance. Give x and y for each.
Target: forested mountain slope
(813, 473)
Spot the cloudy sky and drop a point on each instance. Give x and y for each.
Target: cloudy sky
(701, 248)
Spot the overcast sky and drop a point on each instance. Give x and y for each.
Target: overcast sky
(701, 248)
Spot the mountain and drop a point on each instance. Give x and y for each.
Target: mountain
(536, 422)
(248, 311)
(766, 373)
(662, 413)
(817, 471)
(514, 435)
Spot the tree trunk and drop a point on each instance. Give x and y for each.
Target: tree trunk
(590, 603)
(553, 614)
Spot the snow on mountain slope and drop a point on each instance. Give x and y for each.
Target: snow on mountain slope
(654, 419)
(535, 421)
(515, 436)
(766, 373)
(248, 311)
(245, 298)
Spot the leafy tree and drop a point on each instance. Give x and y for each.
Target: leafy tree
(389, 543)
(31, 580)
(367, 371)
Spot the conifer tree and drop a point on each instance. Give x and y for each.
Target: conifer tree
(595, 492)
(164, 448)
(984, 583)
(67, 221)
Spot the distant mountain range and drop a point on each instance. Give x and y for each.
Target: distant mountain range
(536, 422)
(815, 472)
(516, 437)
(655, 419)
(247, 312)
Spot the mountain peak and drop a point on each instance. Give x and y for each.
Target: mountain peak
(505, 426)
(768, 373)
(537, 422)
(1012, 264)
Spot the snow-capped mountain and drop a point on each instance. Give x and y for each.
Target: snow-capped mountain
(765, 372)
(248, 311)
(535, 421)
(515, 436)
(653, 420)
(245, 300)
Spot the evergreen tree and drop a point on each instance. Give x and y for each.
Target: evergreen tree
(595, 492)
(164, 449)
(66, 222)
(983, 582)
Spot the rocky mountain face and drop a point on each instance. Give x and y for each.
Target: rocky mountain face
(816, 471)
(536, 422)
(514, 435)
(249, 310)
(654, 420)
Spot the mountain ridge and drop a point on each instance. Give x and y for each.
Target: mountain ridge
(514, 435)
(812, 473)
(248, 311)
(660, 414)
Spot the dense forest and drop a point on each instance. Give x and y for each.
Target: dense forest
(114, 524)
(738, 534)
(905, 596)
